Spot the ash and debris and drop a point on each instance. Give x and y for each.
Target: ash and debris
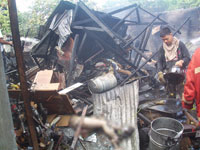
(82, 53)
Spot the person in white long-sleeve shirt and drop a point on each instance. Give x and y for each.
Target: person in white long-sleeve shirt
(2, 41)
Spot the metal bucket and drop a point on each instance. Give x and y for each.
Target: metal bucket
(165, 134)
(102, 83)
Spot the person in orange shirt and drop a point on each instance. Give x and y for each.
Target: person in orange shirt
(191, 92)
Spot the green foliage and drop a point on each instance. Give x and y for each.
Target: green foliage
(4, 17)
(38, 14)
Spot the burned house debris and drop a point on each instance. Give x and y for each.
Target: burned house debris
(92, 74)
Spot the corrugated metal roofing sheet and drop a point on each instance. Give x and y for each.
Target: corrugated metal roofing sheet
(119, 106)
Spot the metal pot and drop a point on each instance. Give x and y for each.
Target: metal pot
(176, 69)
(175, 75)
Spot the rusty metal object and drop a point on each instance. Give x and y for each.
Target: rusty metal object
(20, 64)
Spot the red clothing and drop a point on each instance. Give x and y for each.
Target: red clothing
(192, 85)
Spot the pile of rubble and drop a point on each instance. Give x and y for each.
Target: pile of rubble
(83, 53)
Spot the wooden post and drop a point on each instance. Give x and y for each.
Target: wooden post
(7, 139)
(20, 65)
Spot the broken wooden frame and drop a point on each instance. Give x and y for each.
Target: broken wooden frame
(110, 48)
(117, 38)
(74, 23)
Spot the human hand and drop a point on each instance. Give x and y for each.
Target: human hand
(161, 77)
(179, 63)
(187, 104)
(10, 43)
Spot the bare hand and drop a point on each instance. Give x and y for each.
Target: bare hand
(179, 63)
(11, 43)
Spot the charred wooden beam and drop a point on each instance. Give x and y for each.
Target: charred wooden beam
(88, 28)
(21, 70)
(93, 56)
(103, 16)
(82, 43)
(123, 19)
(122, 9)
(75, 13)
(133, 23)
(118, 39)
(71, 65)
(113, 35)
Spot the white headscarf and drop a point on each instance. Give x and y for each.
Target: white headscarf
(171, 51)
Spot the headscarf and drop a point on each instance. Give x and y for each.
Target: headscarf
(171, 51)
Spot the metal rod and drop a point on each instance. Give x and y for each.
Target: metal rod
(21, 70)
(144, 44)
(159, 19)
(78, 130)
(138, 51)
(93, 56)
(137, 55)
(181, 25)
(133, 39)
(122, 20)
(11, 72)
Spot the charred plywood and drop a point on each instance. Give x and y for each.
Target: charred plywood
(120, 107)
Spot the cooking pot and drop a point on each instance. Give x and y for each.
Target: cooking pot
(175, 75)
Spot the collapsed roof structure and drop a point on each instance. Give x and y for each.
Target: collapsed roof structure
(88, 54)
